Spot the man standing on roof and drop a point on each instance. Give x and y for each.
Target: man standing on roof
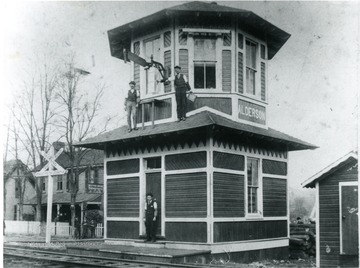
(131, 104)
(181, 88)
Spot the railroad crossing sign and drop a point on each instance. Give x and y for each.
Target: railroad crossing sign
(50, 169)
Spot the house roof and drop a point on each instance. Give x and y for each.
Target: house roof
(120, 37)
(325, 172)
(200, 120)
(91, 158)
(65, 198)
(11, 166)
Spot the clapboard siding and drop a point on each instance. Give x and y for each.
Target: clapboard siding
(186, 231)
(122, 229)
(186, 195)
(329, 213)
(263, 81)
(228, 161)
(228, 195)
(240, 73)
(221, 104)
(167, 66)
(123, 197)
(274, 197)
(249, 230)
(137, 66)
(184, 61)
(226, 70)
(185, 161)
(274, 167)
(123, 166)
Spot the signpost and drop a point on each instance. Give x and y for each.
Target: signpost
(50, 169)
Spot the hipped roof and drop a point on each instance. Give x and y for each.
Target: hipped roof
(204, 119)
(120, 37)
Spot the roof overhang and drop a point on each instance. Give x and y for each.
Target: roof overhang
(348, 158)
(120, 37)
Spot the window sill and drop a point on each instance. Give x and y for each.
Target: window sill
(250, 217)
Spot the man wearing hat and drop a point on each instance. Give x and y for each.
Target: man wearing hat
(131, 104)
(181, 88)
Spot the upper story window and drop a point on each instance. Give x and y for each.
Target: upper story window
(251, 67)
(253, 186)
(59, 183)
(152, 49)
(92, 175)
(204, 63)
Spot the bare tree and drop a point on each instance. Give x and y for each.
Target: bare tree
(77, 122)
(34, 112)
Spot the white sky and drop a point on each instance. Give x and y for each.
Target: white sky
(313, 80)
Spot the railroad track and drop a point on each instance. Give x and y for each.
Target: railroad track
(89, 260)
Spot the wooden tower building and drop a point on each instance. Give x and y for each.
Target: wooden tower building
(220, 177)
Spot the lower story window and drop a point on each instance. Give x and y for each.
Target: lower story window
(205, 75)
(253, 185)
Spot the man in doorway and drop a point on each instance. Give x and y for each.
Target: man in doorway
(131, 104)
(181, 88)
(150, 217)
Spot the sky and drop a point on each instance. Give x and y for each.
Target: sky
(313, 80)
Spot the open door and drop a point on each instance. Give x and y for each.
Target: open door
(349, 233)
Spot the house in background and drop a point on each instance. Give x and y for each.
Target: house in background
(18, 181)
(337, 220)
(90, 187)
(220, 177)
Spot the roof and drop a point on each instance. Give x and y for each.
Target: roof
(204, 119)
(120, 37)
(348, 158)
(91, 158)
(11, 166)
(65, 198)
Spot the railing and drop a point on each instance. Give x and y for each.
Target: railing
(39, 228)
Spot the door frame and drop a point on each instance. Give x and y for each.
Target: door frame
(342, 184)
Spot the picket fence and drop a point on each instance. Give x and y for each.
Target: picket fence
(39, 228)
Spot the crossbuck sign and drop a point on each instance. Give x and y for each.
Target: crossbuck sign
(50, 169)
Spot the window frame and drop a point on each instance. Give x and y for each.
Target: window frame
(204, 64)
(253, 69)
(259, 205)
(59, 182)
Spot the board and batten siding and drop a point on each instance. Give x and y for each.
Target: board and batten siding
(329, 200)
(228, 195)
(123, 197)
(186, 195)
(249, 230)
(274, 197)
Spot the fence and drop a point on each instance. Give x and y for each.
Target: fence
(39, 228)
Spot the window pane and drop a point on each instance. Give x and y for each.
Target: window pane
(250, 54)
(250, 81)
(210, 76)
(253, 184)
(199, 76)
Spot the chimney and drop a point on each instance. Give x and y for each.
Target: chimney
(58, 145)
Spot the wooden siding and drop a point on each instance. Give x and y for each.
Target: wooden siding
(228, 161)
(221, 104)
(330, 219)
(137, 66)
(123, 197)
(185, 161)
(186, 231)
(184, 61)
(167, 66)
(274, 167)
(240, 41)
(123, 166)
(228, 195)
(263, 81)
(226, 71)
(186, 195)
(167, 39)
(123, 229)
(240, 73)
(274, 197)
(249, 230)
